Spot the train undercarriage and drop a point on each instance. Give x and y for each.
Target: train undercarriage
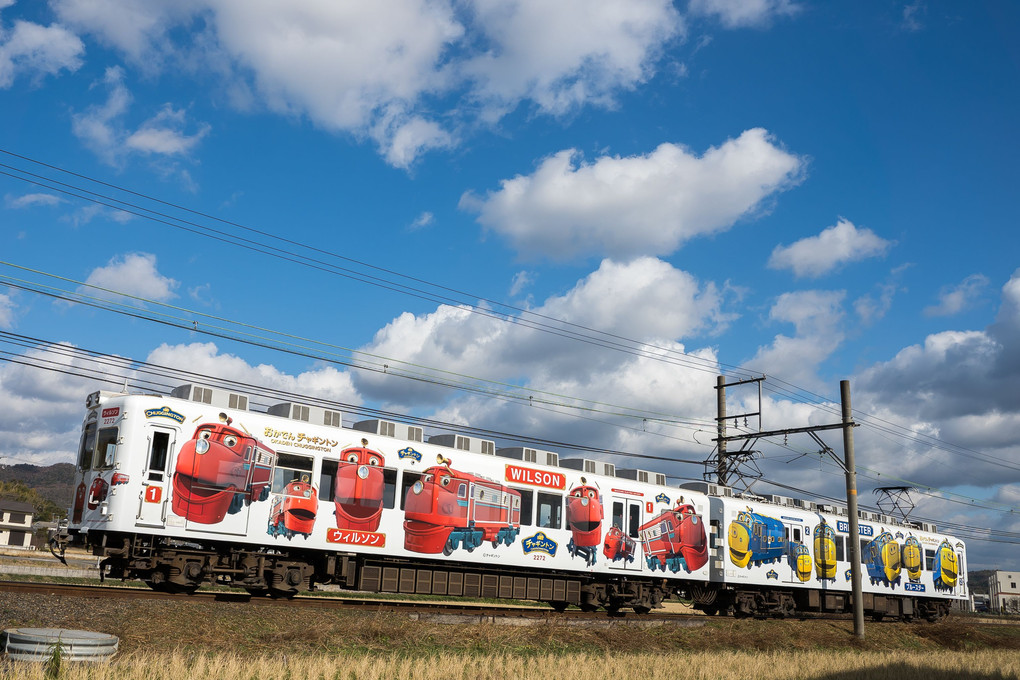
(182, 566)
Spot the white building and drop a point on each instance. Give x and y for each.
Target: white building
(15, 524)
(1004, 592)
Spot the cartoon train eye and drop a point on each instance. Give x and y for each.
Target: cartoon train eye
(576, 494)
(230, 441)
(352, 458)
(205, 434)
(445, 481)
(591, 493)
(428, 478)
(374, 461)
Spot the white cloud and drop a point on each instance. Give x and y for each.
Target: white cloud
(32, 200)
(912, 15)
(379, 69)
(132, 274)
(955, 299)
(646, 298)
(744, 13)
(6, 311)
(522, 280)
(102, 129)
(817, 317)
(163, 134)
(623, 207)
(37, 51)
(835, 246)
(422, 221)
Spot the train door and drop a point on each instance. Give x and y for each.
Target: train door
(626, 515)
(154, 496)
(219, 499)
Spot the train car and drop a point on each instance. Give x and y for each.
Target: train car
(618, 546)
(911, 554)
(175, 505)
(756, 539)
(945, 569)
(359, 488)
(220, 468)
(293, 511)
(675, 540)
(882, 557)
(448, 509)
(584, 517)
(825, 552)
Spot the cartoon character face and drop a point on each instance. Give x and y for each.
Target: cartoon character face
(739, 540)
(584, 509)
(363, 457)
(359, 489)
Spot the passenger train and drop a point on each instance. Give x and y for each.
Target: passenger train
(195, 488)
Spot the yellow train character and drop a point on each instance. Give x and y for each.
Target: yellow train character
(911, 554)
(946, 568)
(739, 540)
(883, 558)
(800, 559)
(825, 552)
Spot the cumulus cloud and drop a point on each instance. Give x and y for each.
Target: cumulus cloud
(645, 299)
(637, 205)
(132, 274)
(37, 51)
(817, 317)
(955, 299)
(743, 13)
(835, 246)
(380, 69)
(102, 128)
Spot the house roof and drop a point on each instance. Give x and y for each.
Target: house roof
(16, 506)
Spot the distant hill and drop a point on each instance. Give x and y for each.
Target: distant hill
(977, 581)
(50, 489)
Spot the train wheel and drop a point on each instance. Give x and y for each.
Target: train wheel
(559, 605)
(642, 609)
(448, 548)
(710, 611)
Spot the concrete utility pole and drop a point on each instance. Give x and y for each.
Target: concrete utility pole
(851, 507)
(721, 473)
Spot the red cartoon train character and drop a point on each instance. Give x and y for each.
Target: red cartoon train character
(220, 470)
(447, 509)
(618, 546)
(359, 487)
(98, 492)
(675, 540)
(584, 517)
(293, 511)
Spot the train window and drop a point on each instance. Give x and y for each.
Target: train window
(526, 505)
(406, 483)
(88, 445)
(290, 468)
(158, 450)
(618, 514)
(796, 535)
(106, 448)
(840, 548)
(635, 520)
(550, 510)
(929, 560)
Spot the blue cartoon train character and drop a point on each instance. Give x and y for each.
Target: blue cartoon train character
(756, 539)
(911, 555)
(825, 552)
(883, 559)
(800, 561)
(946, 568)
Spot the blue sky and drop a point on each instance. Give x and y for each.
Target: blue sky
(810, 191)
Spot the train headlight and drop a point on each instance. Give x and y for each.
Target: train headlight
(417, 488)
(584, 502)
(363, 471)
(201, 446)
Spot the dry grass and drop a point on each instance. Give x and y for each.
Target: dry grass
(844, 665)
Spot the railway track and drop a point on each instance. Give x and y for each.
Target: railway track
(452, 611)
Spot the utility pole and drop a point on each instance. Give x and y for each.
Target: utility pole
(846, 425)
(851, 507)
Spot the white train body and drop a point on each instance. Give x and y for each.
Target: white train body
(166, 483)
